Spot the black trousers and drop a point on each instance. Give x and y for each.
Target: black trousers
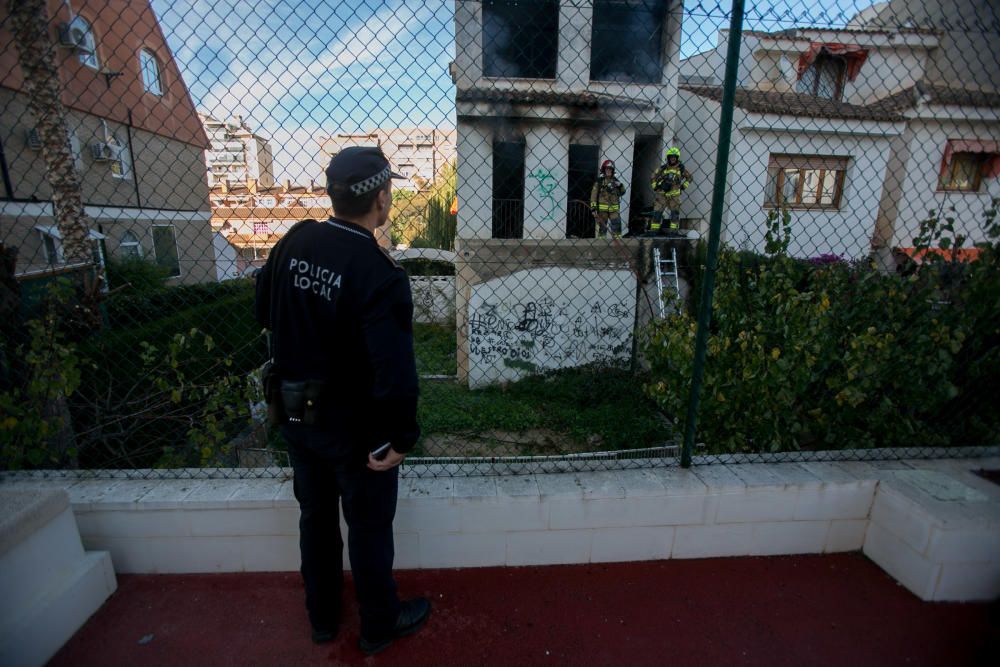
(324, 475)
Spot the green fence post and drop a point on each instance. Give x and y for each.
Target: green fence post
(714, 226)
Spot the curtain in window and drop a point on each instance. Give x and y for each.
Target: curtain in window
(852, 54)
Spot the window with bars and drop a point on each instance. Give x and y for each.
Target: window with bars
(805, 181)
(824, 78)
(964, 173)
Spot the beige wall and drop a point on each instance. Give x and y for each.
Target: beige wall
(19, 222)
(170, 174)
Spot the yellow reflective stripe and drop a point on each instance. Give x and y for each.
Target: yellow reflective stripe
(608, 207)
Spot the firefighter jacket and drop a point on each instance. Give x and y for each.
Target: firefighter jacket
(606, 194)
(670, 181)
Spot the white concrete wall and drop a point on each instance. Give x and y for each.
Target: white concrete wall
(433, 299)
(475, 182)
(573, 68)
(932, 524)
(548, 318)
(846, 231)
(918, 192)
(546, 179)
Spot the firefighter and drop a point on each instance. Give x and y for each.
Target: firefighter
(668, 182)
(605, 201)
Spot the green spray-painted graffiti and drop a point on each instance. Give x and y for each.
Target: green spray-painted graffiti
(546, 185)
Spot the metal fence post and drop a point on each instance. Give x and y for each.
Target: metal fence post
(715, 224)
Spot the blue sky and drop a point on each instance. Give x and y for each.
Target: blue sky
(295, 69)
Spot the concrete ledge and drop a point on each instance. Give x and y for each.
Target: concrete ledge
(936, 528)
(48, 585)
(951, 548)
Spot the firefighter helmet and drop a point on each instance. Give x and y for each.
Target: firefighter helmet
(606, 164)
(676, 152)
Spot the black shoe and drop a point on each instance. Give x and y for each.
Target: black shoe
(324, 636)
(411, 618)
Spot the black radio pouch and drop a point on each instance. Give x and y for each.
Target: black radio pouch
(302, 401)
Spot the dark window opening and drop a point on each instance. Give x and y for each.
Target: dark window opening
(582, 174)
(645, 160)
(520, 38)
(508, 190)
(165, 249)
(824, 78)
(627, 41)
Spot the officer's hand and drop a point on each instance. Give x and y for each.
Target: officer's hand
(389, 461)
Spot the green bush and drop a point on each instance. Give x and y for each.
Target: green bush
(831, 355)
(129, 308)
(135, 275)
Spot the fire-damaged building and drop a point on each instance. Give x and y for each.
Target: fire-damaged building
(546, 90)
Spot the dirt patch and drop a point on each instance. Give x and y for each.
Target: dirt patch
(506, 443)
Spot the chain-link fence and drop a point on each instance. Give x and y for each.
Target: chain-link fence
(562, 178)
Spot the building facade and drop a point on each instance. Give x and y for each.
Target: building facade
(860, 133)
(545, 92)
(137, 143)
(237, 154)
(419, 154)
(548, 90)
(253, 219)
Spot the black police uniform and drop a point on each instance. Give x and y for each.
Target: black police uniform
(340, 312)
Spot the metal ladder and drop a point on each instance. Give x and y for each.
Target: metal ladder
(666, 269)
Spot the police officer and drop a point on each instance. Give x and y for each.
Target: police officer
(340, 312)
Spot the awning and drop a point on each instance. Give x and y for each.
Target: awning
(53, 231)
(973, 146)
(853, 54)
(954, 255)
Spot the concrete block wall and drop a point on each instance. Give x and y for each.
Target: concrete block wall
(932, 525)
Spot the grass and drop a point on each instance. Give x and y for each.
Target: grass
(580, 409)
(434, 346)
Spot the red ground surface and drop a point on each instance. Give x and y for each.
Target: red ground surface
(802, 610)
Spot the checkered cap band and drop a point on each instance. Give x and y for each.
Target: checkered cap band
(371, 183)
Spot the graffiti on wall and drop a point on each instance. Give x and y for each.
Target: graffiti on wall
(573, 317)
(546, 185)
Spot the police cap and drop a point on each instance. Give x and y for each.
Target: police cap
(358, 170)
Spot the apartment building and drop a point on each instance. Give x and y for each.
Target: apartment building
(237, 154)
(136, 139)
(419, 154)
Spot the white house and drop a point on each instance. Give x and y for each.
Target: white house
(859, 132)
(809, 133)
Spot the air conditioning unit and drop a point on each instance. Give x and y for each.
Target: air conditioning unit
(102, 152)
(33, 139)
(73, 35)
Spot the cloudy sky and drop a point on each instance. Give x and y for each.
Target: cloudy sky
(298, 68)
